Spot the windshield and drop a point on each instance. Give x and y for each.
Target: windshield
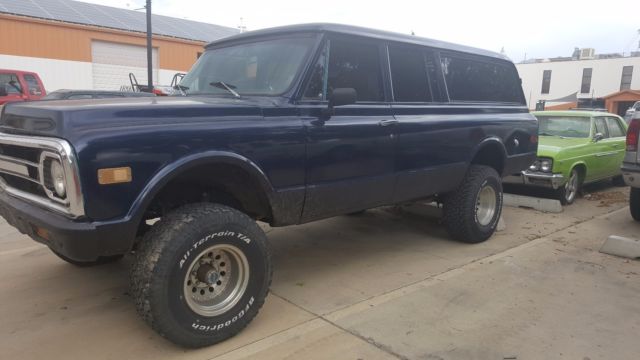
(565, 126)
(260, 68)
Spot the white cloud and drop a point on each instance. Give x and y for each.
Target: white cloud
(542, 28)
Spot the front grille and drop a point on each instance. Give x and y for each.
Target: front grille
(25, 165)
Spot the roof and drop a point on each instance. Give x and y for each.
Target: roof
(77, 12)
(358, 31)
(568, 113)
(630, 92)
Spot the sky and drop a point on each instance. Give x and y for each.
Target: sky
(531, 29)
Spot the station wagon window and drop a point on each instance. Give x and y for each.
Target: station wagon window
(10, 83)
(32, 84)
(409, 75)
(601, 127)
(615, 129)
(476, 80)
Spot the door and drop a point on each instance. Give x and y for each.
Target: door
(602, 153)
(616, 143)
(350, 154)
(112, 63)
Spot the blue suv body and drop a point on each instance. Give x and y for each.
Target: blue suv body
(286, 125)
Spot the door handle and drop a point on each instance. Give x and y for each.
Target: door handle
(388, 122)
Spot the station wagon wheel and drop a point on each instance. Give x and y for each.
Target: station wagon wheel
(567, 194)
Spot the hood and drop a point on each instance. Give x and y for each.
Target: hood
(69, 118)
(549, 146)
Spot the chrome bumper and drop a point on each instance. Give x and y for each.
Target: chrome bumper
(553, 181)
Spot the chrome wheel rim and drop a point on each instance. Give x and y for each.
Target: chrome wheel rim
(216, 280)
(485, 205)
(571, 187)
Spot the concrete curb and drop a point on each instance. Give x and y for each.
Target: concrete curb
(540, 204)
(621, 246)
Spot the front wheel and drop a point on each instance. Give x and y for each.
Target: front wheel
(201, 274)
(569, 191)
(472, 211)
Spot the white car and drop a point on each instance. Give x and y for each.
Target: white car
(630, 111)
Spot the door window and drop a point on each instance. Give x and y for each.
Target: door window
(601, 127)
(10, 83)
(615, 129)
(353, 64)
(33, 86)
(409, 75)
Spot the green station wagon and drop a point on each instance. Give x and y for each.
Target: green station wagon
(575, 147)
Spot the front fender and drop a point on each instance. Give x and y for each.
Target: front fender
(174, 169)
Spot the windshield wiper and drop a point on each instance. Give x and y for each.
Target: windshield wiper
(182, 89)
(228, 87)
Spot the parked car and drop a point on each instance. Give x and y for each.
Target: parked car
(631, 110)
(286, 126)
(575, 148)
(16, 86)
(65, 94)
(631, 165)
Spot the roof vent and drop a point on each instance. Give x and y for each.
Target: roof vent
(587, 53)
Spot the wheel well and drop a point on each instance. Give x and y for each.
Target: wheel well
(220, 183)
(582, 171)
(491, 155)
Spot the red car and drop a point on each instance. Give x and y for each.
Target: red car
(16, 85)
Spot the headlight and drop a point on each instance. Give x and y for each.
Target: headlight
(57, 177)
(535, 166)
(546, 165)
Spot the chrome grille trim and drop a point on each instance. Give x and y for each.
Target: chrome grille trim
(73, 205)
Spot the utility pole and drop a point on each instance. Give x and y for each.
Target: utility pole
(149, 48)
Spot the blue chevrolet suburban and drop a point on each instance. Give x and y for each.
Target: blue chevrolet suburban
(286, 126)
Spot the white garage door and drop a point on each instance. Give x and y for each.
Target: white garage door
(112, 63)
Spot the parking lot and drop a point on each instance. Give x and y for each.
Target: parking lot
(385, 284)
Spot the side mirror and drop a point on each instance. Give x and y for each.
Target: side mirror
(3, 90)
(597, 137)
(342, 96)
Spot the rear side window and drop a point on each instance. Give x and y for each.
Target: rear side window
(353, 64)
(409, 75)
(476, 80)
(32, 84)
(10, 83)
(615, 129)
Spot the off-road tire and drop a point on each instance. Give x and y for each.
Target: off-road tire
(459, 210)
(165, 255)
(100, 261)
(634, 203)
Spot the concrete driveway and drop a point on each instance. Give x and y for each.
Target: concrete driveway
(386, 284)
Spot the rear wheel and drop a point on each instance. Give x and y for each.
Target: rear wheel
(201, 274)
(471, 213)
(634, 203)
(569, 191)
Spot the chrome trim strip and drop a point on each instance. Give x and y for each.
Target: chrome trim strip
(18, 161)
(14, 168)
(69, 162)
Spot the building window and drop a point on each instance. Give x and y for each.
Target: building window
(546, 81)
(585, 88)
(625, 81)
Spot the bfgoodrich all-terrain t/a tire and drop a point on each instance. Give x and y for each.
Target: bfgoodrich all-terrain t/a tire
(472, 211)
(201, 274)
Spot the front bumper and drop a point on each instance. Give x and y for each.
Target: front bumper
(547, 180)
(75, 239)
(631, 174)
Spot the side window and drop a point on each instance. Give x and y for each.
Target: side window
(480, 80)
(409, 75)
(601, 127)
(10, 83)
(615, 129)
(32, 84)
(353, 64)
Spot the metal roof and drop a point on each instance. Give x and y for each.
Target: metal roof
(109, 17)
(358, 31)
